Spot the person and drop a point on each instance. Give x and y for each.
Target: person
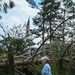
(46, 70)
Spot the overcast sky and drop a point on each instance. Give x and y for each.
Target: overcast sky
(19, 14)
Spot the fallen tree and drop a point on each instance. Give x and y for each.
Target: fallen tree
(30, 60)
(23, 63)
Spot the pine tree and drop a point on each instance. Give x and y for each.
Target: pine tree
(67, 10)
(47, 16)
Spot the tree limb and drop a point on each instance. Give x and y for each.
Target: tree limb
(48, 38)
(67, 49)
(19, 72)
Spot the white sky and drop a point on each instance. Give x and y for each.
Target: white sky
(19, 14)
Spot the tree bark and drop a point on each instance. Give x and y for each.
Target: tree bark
(11, 64)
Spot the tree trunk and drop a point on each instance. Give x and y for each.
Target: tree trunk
(50, 30)
(43, 30)
(64, 29)
(11, 64)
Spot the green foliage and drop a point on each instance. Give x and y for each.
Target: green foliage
(11, 4)
(32, 3)
(50, 15)
(66, 69)
(45, 19)
(15, 40)
(2, 72)
(5, 6)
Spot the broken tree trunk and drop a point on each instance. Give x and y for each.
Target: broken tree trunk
(23, 63)
(11, 64)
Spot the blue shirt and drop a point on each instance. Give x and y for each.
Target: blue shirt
(46, 69)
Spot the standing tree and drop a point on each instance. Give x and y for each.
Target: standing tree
(46, 17)
(67, 10)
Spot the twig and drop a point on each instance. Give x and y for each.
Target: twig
(19, 72)
(67, 49)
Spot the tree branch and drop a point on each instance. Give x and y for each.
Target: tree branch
(48, 38)
(67, 49)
